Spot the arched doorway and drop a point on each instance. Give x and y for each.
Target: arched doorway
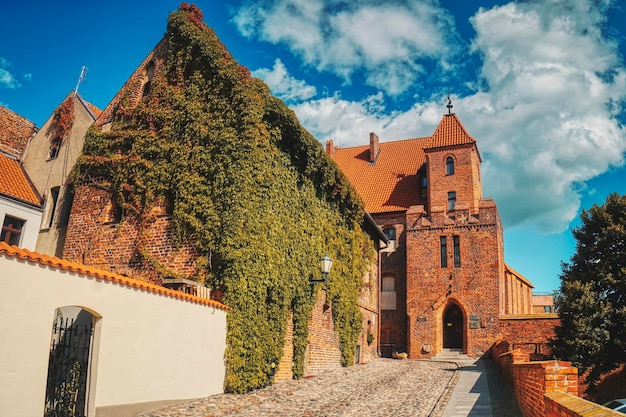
(453, 327)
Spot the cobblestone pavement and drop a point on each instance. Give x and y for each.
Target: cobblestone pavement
(384, 387)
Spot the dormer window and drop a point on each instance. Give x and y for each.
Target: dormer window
(55, 147)
(449, 165)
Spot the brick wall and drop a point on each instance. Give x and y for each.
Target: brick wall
(529, 332)
(561, 404)
(529, 381)
(393, 325)
(474, 286)
(133, 87)
(323, 351)
(95, 238)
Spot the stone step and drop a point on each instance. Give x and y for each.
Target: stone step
(448, 354)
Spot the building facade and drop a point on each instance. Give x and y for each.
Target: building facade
(444, 282)
(49, 159)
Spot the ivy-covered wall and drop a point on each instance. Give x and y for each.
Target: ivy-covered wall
(251, 188)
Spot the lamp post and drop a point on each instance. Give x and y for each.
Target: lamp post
(325, 264)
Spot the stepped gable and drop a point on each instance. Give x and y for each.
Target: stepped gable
(15, 184)
(15, 132)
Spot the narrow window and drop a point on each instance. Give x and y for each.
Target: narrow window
(54, 198)
(451, 200)
(12, 230)
(457, 251)
(55, 147)
(389, 284)
(547, 309)
(424, 186)
(449, 165)
(388, 293)
(147, 79)
(443, 251)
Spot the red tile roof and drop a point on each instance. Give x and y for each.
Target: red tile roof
(450, 132)
(392, 182)
(14, 182)
(15, 132)
(60, 264)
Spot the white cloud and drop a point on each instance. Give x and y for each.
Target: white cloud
(284, 85)
(7, 80)
(544, 111)
(543, 119)
(388, 42)
(28, 76)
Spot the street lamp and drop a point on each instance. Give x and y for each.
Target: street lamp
(325, 264)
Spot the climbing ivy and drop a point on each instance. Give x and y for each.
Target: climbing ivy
(249, 186)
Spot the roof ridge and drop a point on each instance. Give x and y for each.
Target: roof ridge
(385, 142)
(58, 263)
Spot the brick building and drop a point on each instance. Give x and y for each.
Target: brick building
(97, 235)
(444, 282)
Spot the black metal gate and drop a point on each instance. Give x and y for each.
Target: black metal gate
(66, 389)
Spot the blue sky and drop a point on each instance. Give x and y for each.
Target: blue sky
(541, 85)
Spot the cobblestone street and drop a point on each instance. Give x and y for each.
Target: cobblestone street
(384, 387)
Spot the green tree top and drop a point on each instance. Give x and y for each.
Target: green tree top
(592, 299)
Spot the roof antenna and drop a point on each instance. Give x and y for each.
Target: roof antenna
(81, 78)
(449, 105)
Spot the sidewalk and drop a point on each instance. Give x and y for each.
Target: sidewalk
(480, 391)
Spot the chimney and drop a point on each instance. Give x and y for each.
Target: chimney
(330, 148)
(373, 147)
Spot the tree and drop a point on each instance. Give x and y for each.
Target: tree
(592, 299)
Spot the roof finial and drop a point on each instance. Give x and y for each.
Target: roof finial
(449, 105)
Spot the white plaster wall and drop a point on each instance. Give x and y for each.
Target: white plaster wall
(32, 216)
(148, 347)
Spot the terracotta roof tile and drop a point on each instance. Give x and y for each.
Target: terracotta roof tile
(450, 132)
(391, 184)
(14, 182)
(61, 264)
(15, 132)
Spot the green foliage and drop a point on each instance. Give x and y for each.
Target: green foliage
(592, 299)
(249, 186)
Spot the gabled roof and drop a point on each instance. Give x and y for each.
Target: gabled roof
(391, 184)
(61, 264)
(93, 110)
(15, 132)
(450, 132)
(15, 184)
